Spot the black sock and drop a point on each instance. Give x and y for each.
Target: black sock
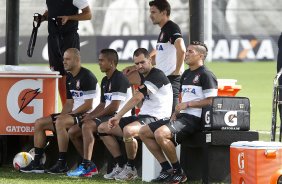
(176, 166)
(38, 152)
(130, 163)
(165, 166)
(85, 161)
(62, 157)
(120, 161)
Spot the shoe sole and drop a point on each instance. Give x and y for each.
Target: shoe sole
(182, 181)
(129, 179)
(89, 175)
(56, 173)
(108, 178)
(33, 171)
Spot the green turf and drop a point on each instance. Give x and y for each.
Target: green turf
(10, 176)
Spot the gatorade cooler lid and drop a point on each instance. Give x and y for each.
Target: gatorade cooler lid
(5, 69)
(256, 144)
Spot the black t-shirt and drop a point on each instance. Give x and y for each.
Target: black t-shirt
(81, 87)
(197, 85)
(60, 8)
(166, 51)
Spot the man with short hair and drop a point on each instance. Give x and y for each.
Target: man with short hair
(115, 92)
(198, 87)
(168, 56)
(156, 94)
(82, 91)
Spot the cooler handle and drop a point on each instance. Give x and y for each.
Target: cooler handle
(270, 153)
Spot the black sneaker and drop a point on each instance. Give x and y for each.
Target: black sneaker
(163, 177)
(33, 168)
(58, 168)
(178, 177)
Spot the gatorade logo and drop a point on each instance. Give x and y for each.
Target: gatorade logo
(207, 117)
(16, 103)
(241, 161)
(230, 118)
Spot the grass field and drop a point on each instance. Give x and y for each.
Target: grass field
(256, 79)
(11, 176)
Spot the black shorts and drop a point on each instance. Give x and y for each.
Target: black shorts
(175, 84)
(142, 119)
(76, 118)
(183, 126)
(57, 45)
(102, 119)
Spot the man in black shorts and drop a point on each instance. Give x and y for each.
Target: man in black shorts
(198, 87)
(63, 17)
(115, 92)
(155, 93)
(82, 91)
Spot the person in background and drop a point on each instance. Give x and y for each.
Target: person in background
(62, 17)
(169, 53)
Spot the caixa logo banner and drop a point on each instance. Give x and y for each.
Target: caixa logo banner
(25, 99)
(223, 48)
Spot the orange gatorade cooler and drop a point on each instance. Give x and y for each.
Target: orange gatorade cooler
(27, 93)
(256, 162)
(228, 87)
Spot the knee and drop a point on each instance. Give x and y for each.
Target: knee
(142, 133)
(127, 132)
(160, 135)
(89, 125)
(157, 135)
(59, 124)
(38, 125)
(102, 128)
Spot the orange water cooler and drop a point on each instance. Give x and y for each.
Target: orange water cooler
(27, 93)
(256, 162)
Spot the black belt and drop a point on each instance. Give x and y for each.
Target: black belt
(37, 18)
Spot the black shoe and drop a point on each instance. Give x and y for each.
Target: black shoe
(163, 177)
(178, 177)
(58, 168)
(33, 168)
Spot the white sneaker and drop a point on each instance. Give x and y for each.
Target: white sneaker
(116, 170)
(127, 174)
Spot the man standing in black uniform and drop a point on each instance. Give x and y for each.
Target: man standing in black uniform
(63, 17)
(82, 92)
(198, 87)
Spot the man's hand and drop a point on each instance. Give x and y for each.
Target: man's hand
(128, 70)
(64, 19)
(173, 117)
(175, 73)
(180, 106)
(113, 122)
(87, 117)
